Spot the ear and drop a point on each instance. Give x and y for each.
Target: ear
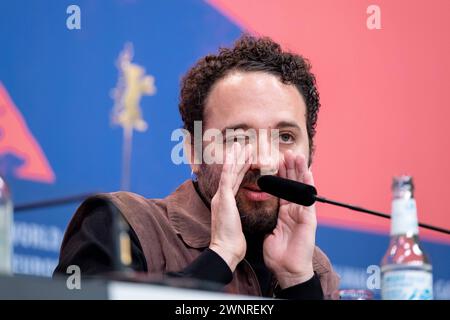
(194, 159)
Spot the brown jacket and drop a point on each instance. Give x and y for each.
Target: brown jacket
(174, 231)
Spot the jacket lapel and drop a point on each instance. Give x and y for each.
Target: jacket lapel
(189, 216)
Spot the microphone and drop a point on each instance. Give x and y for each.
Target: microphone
(290, 190)
(306, 195)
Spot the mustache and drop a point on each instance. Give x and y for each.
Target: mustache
(251, 177)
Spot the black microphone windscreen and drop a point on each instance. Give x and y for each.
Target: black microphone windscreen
(290, 190)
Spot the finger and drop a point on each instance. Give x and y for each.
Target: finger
(239, 161)
(291, 172)
(241, 156)
(226, 175)
(248, 158)
(237, 150)
(282, 168)
(309, 179)
(282, 172)
(301, 168)
(245, 158)
(236, 155)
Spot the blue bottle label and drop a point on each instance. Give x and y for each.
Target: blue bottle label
(407, 285)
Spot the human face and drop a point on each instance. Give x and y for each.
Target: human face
(255, 100)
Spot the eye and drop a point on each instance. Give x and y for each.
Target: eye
(286, 138)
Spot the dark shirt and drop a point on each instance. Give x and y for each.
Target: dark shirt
(92, 249)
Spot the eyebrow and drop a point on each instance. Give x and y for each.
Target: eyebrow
(238, 126)
(279, 125)
(287, 124)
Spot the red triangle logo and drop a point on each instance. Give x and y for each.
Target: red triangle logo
(20, 153)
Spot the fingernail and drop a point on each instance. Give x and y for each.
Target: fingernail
(268, 171)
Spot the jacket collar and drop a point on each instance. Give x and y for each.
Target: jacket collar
(189, 215)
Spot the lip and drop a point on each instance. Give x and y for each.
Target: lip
(253, 193)
(252, 187)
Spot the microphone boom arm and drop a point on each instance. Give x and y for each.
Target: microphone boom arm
(375, 213)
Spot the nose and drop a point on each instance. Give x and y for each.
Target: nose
(265, 155)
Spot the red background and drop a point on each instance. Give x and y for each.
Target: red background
(385, 98)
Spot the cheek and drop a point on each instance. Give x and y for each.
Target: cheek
(214, 173)
(209, 178)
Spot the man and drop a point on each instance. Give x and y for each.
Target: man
(220, 227)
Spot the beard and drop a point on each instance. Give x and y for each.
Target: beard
(257, 217)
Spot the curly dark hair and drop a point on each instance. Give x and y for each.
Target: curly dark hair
(248, 54)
